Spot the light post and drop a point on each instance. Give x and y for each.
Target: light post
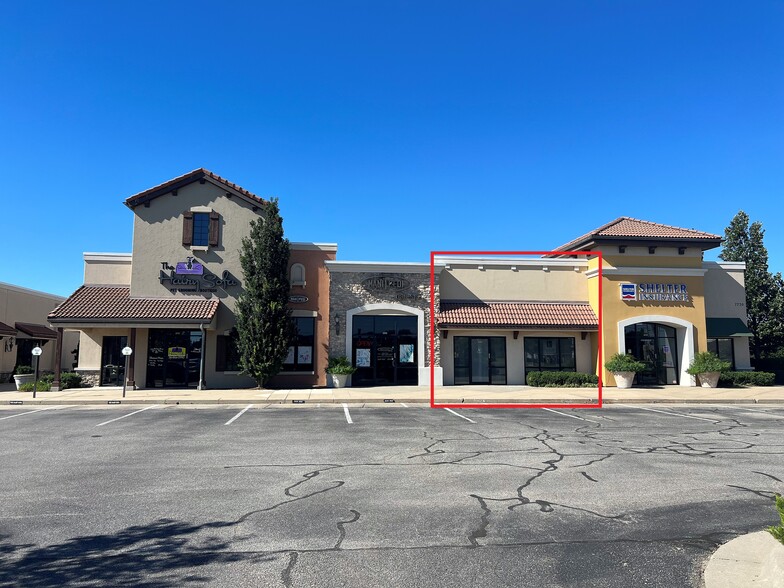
(126, 351)
(37, 351)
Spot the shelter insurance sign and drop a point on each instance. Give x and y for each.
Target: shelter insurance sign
(654, 293)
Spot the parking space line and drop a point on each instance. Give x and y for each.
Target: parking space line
(460, 415)
(404, 405)
(572, 416)
(127, 415)
(686, 416)
(31, 412)
(348, 414)
(238, 415)
(778, 416)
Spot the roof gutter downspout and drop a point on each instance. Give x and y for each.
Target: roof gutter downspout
(202, 358)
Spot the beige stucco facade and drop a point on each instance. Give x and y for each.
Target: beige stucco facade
(22, 305)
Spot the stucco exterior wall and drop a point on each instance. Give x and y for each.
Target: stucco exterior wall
(526, 283)
(113, 269)
(22, 305)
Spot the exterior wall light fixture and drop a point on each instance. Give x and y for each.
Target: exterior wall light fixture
(337, 323)
(651, 250)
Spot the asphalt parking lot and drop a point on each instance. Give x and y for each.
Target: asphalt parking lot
(386, 495)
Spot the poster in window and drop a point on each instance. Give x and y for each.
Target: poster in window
(290, 356)
(407, 353)
(304, 354)
(363, 357)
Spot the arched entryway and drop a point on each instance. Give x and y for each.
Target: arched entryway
(664, 343)
(385, 342)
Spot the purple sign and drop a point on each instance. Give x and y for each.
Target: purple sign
(189, 267)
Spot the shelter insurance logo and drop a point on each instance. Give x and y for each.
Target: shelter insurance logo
(628, 291)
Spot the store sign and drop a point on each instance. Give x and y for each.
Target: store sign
(385, 284)
(190, 276)
(654, 292)
(298, 299)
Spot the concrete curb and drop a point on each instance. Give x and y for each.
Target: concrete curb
(755, 560)
(392, 400)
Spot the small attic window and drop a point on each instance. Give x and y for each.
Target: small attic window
(200, 228)
(297, 274)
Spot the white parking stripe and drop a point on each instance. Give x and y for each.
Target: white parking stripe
(238, 415)
(570, 415)
(127, 415)
(404, 405)
(686, 416)
(460, 415)
(31, 412)
(778, 416)
(348, 415)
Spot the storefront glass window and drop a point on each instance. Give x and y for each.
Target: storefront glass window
(555, 354)
(723, 347)
(300, 357)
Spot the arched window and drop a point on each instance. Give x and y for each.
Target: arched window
(297, 275)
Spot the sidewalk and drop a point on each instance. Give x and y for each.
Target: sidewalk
(407, 394)
(755, 560)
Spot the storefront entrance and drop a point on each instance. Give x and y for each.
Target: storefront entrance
(384, 350)
(113, 361)
(480, 360)
(656, 346)
(173, 358)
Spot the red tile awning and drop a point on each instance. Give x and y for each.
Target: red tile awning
(36, 331)
(6, 330)
(517, 315)
(96, 304)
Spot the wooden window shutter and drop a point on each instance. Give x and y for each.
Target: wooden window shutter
(187, 228)
(214, 228)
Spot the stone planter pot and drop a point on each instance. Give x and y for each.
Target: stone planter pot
(20, 379)
(709, 379)
(339, 380)
(624, 379)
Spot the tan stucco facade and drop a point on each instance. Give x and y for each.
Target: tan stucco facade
(23, 305)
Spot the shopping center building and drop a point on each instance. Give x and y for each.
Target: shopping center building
(497, 318)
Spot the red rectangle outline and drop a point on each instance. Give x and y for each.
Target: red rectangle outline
(599, 355)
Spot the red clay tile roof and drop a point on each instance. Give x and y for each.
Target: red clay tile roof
(518, 315)
(36, 331)
(626, 227)
(6, 330)
(114, 304)
(184, 180)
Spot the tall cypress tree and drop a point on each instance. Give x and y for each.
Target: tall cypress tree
(264, 321)
(764, 294)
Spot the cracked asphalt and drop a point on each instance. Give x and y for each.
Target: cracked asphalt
(405, 496)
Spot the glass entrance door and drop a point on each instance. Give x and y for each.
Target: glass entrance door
(479, 360)
(112, 361)
(173, 358)
(385, 350)
(656, 346)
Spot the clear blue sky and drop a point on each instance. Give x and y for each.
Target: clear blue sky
(392, 128)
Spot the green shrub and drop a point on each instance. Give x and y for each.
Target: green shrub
(706, 362)
(28, 387)
(22, 370)
(737, 379)
(340, 366)
(778, 531)
(620, 362)
(48, 378)
(562, 379)
(70, 380)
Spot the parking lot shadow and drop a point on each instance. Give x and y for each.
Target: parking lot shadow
(163, 553)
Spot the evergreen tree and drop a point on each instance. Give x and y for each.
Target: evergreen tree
(764, 292)
(264, 321)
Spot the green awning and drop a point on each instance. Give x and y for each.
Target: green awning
(726, 327)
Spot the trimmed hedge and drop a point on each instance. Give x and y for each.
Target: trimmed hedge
(28, 387)
(562, 379)
(737, 379)
(70, 380)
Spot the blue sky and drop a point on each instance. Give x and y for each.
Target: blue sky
(391, 128)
